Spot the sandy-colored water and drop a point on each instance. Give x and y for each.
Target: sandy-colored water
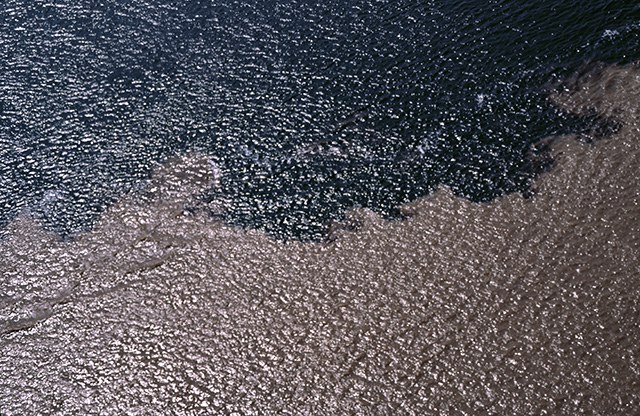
(519, 306)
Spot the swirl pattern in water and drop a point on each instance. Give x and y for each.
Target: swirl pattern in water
(306, 108)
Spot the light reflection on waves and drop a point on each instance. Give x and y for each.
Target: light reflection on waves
(309, 108)
(171, 312)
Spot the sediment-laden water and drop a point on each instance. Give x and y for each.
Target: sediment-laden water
(515, 306)
(340, 208)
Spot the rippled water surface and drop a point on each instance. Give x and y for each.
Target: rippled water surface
(135, 136)
(306, 108)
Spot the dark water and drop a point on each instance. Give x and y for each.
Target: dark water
(307, 108)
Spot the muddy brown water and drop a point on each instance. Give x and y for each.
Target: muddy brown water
(518, 306)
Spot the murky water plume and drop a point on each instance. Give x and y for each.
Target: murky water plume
(516, 306)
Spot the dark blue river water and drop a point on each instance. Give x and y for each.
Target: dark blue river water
(307, 108)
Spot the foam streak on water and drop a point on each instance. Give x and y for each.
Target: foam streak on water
(515, 306)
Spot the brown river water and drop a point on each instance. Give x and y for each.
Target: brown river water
(516, 307)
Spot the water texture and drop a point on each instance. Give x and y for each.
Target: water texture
(136, 136)
(306, 108)
(517, 306)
